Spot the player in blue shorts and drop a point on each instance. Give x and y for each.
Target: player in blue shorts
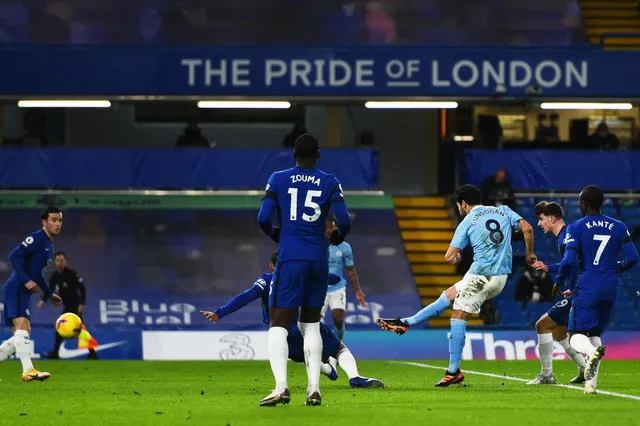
(553, 324)
(29, 261)
(302, 198)
(341, 259)
(488, 230)
(597, 240)
(332, 347)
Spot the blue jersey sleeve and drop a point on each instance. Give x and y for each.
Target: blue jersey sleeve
(514, 218)
(18, 255)
(339, 207)
(243, 299)
(553, 269)
(268, 208)
(630, 252)
(461, 237)
(347, 255)
(571, 258)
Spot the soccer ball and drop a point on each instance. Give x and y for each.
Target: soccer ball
(69, 325)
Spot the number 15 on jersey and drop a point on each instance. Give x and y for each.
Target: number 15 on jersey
(309, 202)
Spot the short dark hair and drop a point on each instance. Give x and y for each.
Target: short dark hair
(468, 193)
(592, 196)
(274, 257)
(306, 147)
(59, 253)
(549, 209)
(46, 212)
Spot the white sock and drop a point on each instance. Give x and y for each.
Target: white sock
(7, 348)
(326, 369)
(575, 356)
(545, 349)
(348, 363)
(312, 353)
(278, 355)
(595, 341)
(582, 344)
(23, 349)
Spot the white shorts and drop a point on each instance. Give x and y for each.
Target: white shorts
(335, 300)
(474, 290)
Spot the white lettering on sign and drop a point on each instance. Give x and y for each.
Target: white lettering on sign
(516, 74)
(319, 72)
(119, 311)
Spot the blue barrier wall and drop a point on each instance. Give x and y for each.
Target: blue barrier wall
(557, 170)
(317, 71)
(172, 168)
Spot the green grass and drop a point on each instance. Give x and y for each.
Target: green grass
(227, 393)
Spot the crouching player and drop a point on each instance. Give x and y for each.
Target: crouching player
(331, 344)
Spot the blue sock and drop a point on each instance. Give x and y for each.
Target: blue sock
(340, 332)
(456, 343)
(432, 311)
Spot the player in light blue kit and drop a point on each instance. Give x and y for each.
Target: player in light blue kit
(341, 259)
(488, 230)
(597, 240)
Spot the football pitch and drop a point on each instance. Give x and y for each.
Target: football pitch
(228, 392)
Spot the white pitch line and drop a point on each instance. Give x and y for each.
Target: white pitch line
(518, 379)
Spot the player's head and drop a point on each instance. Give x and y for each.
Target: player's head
(331, 224)
(306, 150)
(591, 199)
(51, 220)
(549, 216)
(60, 260)
(274, 259)
(466, 197)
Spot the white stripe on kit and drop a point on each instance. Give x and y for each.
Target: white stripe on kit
(518, 379)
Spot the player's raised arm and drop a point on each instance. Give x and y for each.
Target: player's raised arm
(268, 208)
(527, 231)
(237, 302)
(630, 253)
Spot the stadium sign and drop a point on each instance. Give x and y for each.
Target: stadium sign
(296, 72)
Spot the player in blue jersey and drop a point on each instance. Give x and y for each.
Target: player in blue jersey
(488, 230)
(332, 347)
(341, 259)
(597, 240)
(302, 197)
(29, 261)
(553, 324)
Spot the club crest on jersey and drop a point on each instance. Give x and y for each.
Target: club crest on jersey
(339, 253)
(567, 239)
(306, 178)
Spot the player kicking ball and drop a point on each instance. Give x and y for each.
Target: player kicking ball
(332, 347)
(488, 230)
(29, 261)
(553, 324)
(597, 240)
(302, 198)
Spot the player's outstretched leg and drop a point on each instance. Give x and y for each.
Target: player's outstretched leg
(348, 364)
(456, 345)
(433, 310)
